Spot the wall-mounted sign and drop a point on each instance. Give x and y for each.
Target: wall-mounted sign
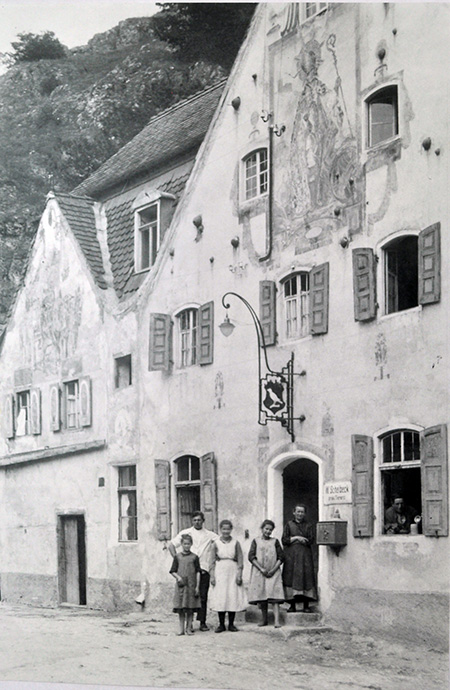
(337, 492)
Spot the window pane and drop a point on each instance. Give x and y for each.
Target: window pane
(145, 248)
(387, 449)
(396, 447)
(183, 469)
(127, 476)
(195, 469)
(383, 116)
(148, 215)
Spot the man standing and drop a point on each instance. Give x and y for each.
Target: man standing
(202, 540)
(399, 517)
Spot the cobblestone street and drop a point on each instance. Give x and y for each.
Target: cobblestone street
(138, 649)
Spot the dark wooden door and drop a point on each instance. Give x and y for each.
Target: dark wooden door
(72, 560)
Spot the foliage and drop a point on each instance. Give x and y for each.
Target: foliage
(32, 47)
(210, 31)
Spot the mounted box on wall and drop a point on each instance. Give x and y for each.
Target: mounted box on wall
(332, 533)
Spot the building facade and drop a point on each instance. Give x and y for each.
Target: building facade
(318, 197)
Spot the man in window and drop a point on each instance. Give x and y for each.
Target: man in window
(202, 540)
(399, 517)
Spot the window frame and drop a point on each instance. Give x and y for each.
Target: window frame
(18, 394)
(319, 8)
(191, 352)
(154, 239)
(302, 296)
(262, 187)
(186, 484)
(382, 277)
(117, 360)
(369, 100)
(126, 489)
(76, 397)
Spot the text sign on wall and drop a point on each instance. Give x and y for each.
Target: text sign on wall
(337, 492)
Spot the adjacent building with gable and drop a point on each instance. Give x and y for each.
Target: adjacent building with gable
(315, 206)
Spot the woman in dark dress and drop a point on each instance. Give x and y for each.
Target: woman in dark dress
(299, 579)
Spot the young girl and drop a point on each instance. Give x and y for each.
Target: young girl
(186, 570)
(226, 578)
(266, 557)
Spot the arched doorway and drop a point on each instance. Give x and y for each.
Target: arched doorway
(301, 485)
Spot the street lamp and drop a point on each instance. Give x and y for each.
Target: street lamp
(276, 389)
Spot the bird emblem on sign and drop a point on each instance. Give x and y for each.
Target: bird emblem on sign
(274, 394)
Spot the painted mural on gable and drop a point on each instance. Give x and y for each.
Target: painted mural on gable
(317, 190)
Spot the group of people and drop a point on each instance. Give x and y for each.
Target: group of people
(211, 564)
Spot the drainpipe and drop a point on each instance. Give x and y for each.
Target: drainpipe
(269, 215)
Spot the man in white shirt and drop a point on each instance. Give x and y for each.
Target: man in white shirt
(202, 540)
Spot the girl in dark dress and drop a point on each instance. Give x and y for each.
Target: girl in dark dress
(186, 570)
(298, 572)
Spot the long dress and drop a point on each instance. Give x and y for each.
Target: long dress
(187, 566)
(226, 595)
(267, 552)
(298, 572)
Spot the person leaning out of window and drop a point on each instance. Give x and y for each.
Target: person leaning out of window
(399, 517)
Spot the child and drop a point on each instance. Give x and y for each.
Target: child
(186, 570)
(266, 557)
(226, 578)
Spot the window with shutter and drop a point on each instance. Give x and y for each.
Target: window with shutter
(163, 512)
(435, 481)
(160, 342)
(319, 297)
(267, 311)
(209, 490)
(127, 495)
(206, 331)
(364, 284)
(22, 407)
(362, 479)
(430, 265)
(296, 305)
(187, 489)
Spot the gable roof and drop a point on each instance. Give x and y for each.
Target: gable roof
(79, 213)
(172, 133)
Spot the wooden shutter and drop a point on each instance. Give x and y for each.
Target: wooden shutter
(434, 481)
(55, 408)
(85, 401)
(208, 491)
(364, 284)
(430, 264)
(35, 410)
(267, 311)
(162, 484)
(206, 330)
(318, 298)
(362, 480)
(160, 342)
(9, 416)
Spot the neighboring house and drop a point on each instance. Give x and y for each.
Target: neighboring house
(319, 195)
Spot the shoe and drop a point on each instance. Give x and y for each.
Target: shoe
(203, 627)
(262, 624)
(220, 628)
(291, 609)
(232, 628)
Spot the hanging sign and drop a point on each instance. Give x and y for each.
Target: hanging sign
(337, 492)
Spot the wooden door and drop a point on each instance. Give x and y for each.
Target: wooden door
(72, 560)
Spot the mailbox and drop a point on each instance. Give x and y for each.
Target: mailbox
(332, 533)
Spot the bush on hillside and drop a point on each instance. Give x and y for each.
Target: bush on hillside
(32, 47)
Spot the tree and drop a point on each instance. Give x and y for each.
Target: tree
(207, 31)
(33, 47)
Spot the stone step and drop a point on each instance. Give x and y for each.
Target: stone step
(299, 619)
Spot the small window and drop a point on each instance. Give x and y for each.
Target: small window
(127, 503)
(187, 486)
(401, 274)
(382, 113)
(123, 377)
(188, 329)
(23, 414)
(401, 480)
(296, 305)
(313, 8)
(147, 236)
(72, 404)
(256, 174)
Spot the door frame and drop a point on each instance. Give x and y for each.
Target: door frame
(59, 550)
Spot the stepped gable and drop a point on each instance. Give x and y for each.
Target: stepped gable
(79, 213)
(120, 219)
(169, 135)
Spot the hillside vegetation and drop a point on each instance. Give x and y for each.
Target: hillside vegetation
(61, 118)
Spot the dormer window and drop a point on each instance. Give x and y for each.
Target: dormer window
(256, 174)
(382, 115)
(147, 236)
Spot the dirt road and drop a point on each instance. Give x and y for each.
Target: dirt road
(86, 647)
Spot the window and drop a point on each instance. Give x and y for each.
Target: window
(256, 174)
(188, 322)
(382, 114)
(72, 404)
(127, 503)
(296, 305)
(23, 414)
(401, 274)
(187, 486)
(123, 377)
(401, 476)
(147, 236)
(313, 8)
